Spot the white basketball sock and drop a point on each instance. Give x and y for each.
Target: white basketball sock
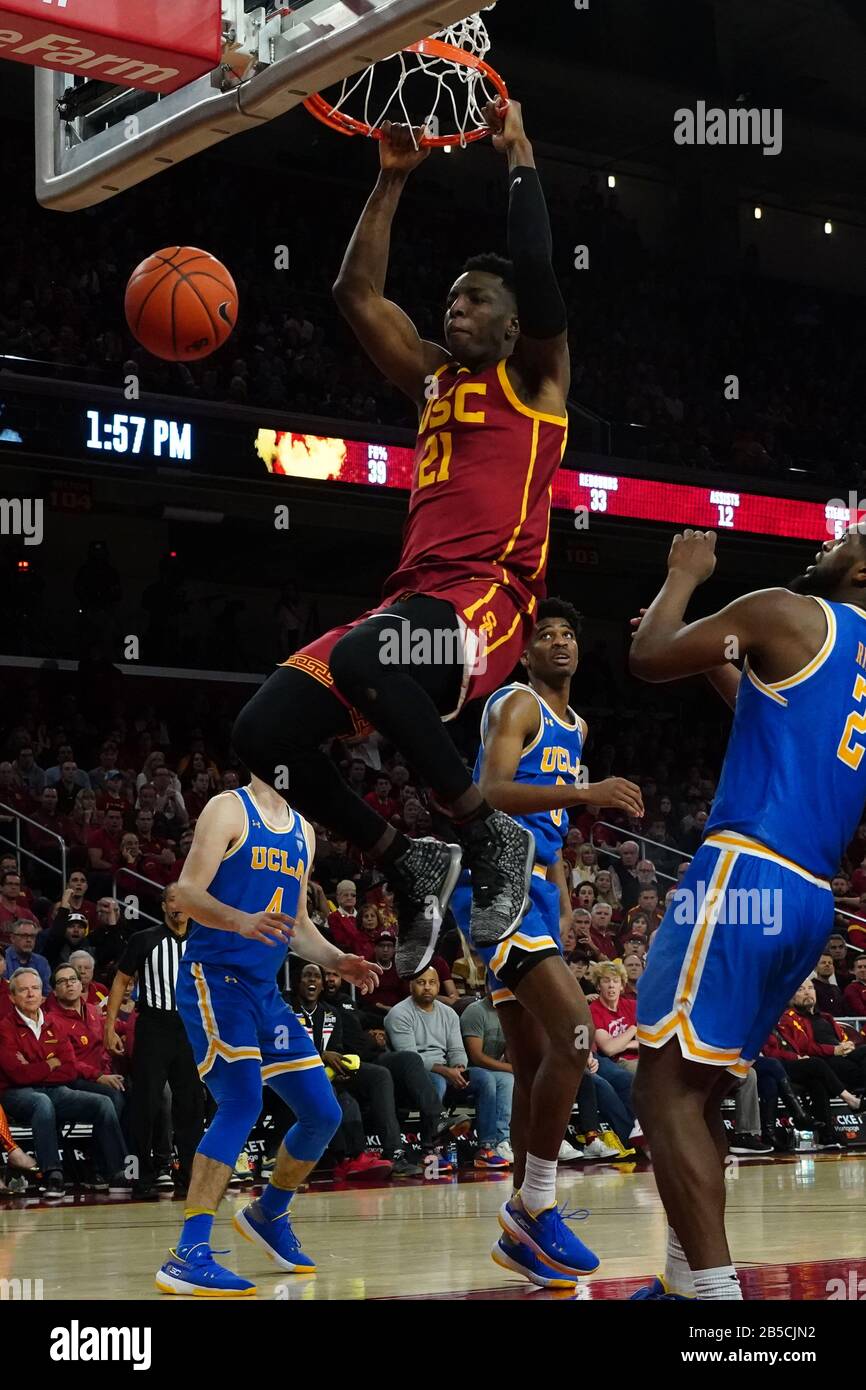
(718, 1285)
(539, 1184)
(677, 1275)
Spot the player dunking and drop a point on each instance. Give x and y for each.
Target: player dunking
(244, 885)
(492, 431)
(755, 907)
(528, 765)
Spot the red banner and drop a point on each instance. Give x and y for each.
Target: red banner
(158, 45)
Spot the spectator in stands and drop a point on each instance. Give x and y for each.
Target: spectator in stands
(107, 763)
(424, 1025)
(28, 773)
(582, 923)
(170, 811)
(150, 847)
(390, 989)
(12, 794)
(634, 966)
(46, 835)
(382, 798)
(12, 909)
(586, 866)
(37, 1067)
(366, 1084)
(104, 850)
(369, 922)
(579, 967)
(80, 824)
(198, 795)
(22, 952)
(584, 896)
(815, 1034)
(838, 948)
(74, 898)
(110, 937)
(91, 991)
(647, 905)
(844, 898)
(602, 931)
(627, 873)
(614, 1016)
(66, 934)
(68, 785)
(854, 997)
(485, 1047)
(84, 1030)
(343, 926)
(827, 992)
(812, 1074)
(606, 892)
(65, 755)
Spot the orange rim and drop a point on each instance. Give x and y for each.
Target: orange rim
(344, 124)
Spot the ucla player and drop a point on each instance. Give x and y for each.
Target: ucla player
(528, 766)
(755, 908)
(244, 885)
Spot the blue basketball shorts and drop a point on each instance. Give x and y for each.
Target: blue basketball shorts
(743, 933)
(536, 938)
(229, 1018)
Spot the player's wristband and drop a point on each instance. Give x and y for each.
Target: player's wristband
(540, 306)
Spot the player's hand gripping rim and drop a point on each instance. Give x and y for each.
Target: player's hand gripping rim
(272, 928)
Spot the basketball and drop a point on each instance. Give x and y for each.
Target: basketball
(181, 304)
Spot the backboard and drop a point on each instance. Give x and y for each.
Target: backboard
(93, 139)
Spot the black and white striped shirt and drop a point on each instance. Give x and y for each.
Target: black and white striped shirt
(154, 956)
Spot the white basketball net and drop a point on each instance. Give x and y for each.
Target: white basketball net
(461, 92)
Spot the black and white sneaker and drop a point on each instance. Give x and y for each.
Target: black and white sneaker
(165, 1178)
(749, 1144)
(499, 855)
(422, 880)
(53, 1185)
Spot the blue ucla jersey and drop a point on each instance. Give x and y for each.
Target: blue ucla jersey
(552, 758)
(794, 775)
(261, 872)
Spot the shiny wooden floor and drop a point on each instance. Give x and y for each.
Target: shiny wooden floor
(794, 1224)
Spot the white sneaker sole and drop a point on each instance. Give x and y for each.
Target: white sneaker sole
(248, 1231)
(556, 1281)
(169, 1283)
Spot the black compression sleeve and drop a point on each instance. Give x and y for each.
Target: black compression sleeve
(540, 306)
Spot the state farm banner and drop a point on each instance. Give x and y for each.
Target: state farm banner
(158, 45)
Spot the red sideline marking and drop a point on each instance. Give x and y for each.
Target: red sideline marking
(807, 1279)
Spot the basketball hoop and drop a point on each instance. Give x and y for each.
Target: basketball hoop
(454, 60)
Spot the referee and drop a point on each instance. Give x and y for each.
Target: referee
(162, 1052)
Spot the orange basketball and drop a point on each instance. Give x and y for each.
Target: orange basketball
(181, 303)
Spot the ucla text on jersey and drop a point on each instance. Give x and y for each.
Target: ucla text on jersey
(261, 872)
(551, 758)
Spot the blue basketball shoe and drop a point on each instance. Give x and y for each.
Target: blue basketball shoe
(275, 1237)
(510, 1254)
(548, 1237)
(658, 1290)
(200, 1275)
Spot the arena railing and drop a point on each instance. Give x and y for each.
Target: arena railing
(637, 840)
(19, 848)
(138, 911)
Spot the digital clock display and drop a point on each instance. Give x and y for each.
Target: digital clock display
(140, 435)
(576, 491)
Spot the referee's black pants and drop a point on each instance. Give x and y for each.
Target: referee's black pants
(163, 1054)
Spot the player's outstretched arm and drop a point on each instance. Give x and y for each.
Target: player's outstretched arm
(510, 726)
(220, 824)
(541, 355)
(725, 680)
(388, 336)
(779, 631)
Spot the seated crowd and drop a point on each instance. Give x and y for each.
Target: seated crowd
(430, 1046)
